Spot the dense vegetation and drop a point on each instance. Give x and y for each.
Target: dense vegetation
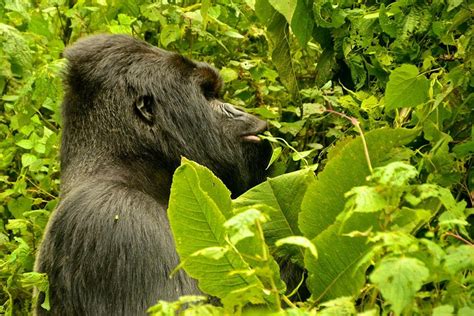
(371, 108)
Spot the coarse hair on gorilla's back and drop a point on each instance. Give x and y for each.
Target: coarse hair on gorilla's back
(130, 112)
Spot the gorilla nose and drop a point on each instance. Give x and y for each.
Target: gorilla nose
(258, 127)
(262, 126)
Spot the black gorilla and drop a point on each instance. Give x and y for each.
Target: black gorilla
(129, 113)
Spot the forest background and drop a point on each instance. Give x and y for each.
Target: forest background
(370, 106)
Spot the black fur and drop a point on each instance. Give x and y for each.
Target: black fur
(129, 113)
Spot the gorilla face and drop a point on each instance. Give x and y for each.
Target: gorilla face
(131, 101)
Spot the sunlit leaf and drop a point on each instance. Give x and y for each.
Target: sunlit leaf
(399, 279)
(197, 223)
(406, 88)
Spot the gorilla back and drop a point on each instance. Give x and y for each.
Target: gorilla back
(130, 112)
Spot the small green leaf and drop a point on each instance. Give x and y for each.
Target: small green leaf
(30, 279)
(443, 310)
(275, 155)
(399, 279)
(20, 205)
(339, 306)
(313, 108)
(365, 199)
(453, 4)
(205, 5)
(233, 34)
(28, 159)
(241, 225)
(228, 74)
(387, 25)
(396, 174)
(192, 302)
(292, 128)
(10, 98)
(25, 143)
(170, 34)
(406, 88)
(17, 224)
(214, 253)
(40, 148)
(454, 213)
(464, 149)
(297, 156)
(328, 15)
(298, 241)
(459, 258)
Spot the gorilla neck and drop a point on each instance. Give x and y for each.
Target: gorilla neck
(140, 174)
(152, 174)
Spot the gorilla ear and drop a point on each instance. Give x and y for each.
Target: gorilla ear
(144, 108)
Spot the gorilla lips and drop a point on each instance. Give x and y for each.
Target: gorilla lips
(251, 138)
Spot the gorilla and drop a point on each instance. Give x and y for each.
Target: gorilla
(130, 112)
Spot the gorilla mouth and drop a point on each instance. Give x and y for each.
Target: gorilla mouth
(251, 138)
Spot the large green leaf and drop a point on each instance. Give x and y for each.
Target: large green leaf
(336, 272)
(284, 195)
(195, 212)
(299, 15)
(406, 88)
(277, 31)
(347, 168)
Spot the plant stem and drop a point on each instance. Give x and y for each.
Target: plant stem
(356, 123)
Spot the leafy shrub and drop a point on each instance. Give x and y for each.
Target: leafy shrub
(383, 227)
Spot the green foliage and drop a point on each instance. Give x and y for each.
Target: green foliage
(282, 197)
(195, 305)
(384, 227)
(338, 273)
(399, 279)
(397, 209)
(225, 253)
(347, 168)
(406, 88)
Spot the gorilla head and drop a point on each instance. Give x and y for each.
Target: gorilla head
(132, 104)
